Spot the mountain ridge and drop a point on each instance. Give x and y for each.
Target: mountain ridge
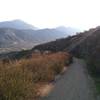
(17, 24)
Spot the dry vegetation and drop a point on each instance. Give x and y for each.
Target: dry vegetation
(19, 79)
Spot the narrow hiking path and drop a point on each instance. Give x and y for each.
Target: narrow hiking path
(75, 84)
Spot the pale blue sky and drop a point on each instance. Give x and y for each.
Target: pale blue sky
(82, 14)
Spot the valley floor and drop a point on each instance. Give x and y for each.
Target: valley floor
(75, 84)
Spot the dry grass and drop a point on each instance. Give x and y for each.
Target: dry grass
(16, 84)
(18, 79)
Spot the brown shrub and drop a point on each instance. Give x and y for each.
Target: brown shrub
(18, 79)
(16, 84)
(46, 66)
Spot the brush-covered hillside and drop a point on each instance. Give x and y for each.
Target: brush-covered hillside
(85, 45)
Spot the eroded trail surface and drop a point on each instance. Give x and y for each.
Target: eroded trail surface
(75, 84)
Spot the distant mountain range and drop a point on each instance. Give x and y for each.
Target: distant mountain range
(17, 35)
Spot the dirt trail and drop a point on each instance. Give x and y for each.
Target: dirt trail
(75, 84)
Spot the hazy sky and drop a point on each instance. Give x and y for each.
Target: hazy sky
(51, 13)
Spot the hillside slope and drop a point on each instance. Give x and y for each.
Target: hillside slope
(85, 45)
